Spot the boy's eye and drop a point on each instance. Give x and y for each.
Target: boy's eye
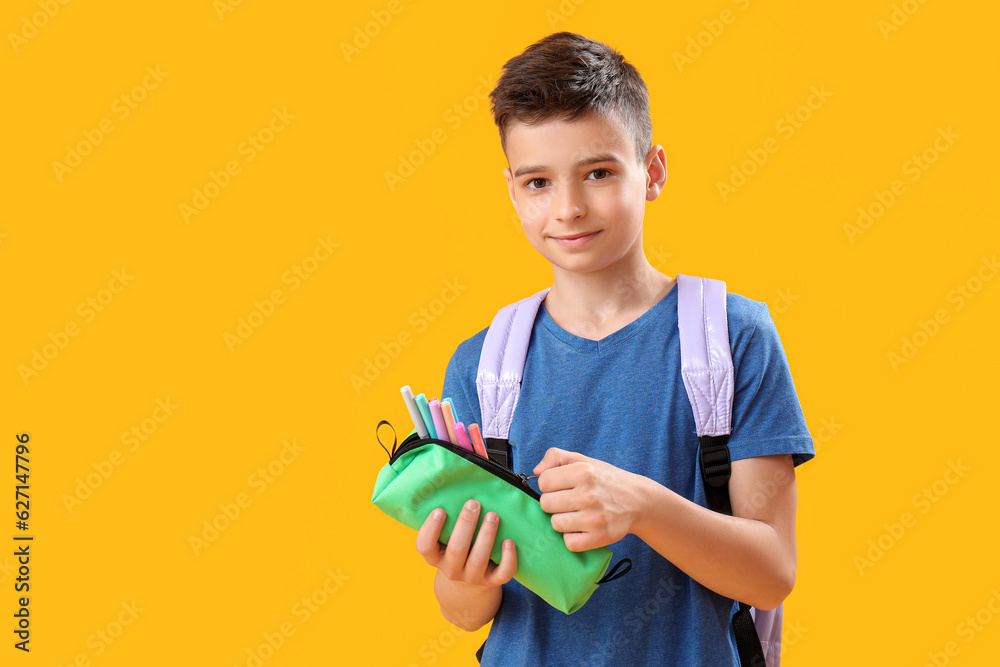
(539, 183)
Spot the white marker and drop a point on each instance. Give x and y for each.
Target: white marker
(411, 405)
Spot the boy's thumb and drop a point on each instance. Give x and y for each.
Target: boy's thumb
(554, 457)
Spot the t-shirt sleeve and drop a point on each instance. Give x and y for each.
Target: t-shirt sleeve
(767, 416)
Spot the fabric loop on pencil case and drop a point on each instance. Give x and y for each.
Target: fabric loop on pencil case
(377, 437)
(613, 573)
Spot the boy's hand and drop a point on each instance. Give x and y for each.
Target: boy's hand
(592, 503)
(456, 560)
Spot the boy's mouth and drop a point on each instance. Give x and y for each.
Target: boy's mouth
(575, 240)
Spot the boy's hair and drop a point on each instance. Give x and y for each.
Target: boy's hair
(564, 76)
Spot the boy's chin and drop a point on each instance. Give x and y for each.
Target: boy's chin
(579, 265)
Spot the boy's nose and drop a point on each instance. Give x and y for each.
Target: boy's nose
(568, 204)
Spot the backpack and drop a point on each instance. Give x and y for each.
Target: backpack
(707, 372)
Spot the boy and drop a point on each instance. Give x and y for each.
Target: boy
(603, 418)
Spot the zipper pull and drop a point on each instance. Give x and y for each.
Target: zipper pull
(525, 478)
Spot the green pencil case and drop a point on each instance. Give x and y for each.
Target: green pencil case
(425, 473)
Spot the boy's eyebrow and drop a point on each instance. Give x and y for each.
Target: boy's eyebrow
(603, 157)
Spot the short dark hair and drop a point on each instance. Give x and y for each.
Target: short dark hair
(565, 76)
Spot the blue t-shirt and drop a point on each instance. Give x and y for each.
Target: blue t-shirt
(621, 400)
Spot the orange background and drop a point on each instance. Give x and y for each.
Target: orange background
(305, 230)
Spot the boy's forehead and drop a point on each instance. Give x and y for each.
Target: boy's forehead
(558, 143)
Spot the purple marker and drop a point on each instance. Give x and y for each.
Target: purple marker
(438, 417)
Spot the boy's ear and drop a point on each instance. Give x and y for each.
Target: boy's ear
(510, 187)
(656, 172)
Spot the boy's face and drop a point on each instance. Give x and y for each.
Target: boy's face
(579, 192)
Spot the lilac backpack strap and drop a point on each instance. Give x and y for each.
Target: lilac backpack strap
(501, 364)
(706, 360)
(768, 624)
(707, 371)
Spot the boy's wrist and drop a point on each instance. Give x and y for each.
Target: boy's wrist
(460, 585)
(466, 606)
(650, 496)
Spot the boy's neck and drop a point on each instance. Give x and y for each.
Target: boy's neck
(595, 305)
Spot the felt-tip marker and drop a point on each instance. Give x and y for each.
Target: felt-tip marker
(438, 418)
(477, 441)
(411, 406)
(454, 412)
(425, 412)
(463, 439)
(449, 421)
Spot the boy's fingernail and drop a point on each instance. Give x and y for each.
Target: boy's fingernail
(491, 517)
(472, 505)
(437, 514)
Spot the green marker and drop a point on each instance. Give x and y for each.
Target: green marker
(425, 413)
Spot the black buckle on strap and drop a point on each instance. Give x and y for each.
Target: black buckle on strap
(498, 450)
(715, 463)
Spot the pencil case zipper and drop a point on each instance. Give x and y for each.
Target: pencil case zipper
(519, 480)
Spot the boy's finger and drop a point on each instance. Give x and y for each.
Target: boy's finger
(461, 539)
(565, 476)
(507, 568)
(555, 457)
(550, 460)
(554, 502)
(427, 537)
(479, 556)
(579, 541)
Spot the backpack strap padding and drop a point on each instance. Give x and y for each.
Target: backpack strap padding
(706, 359)
(501, 364)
